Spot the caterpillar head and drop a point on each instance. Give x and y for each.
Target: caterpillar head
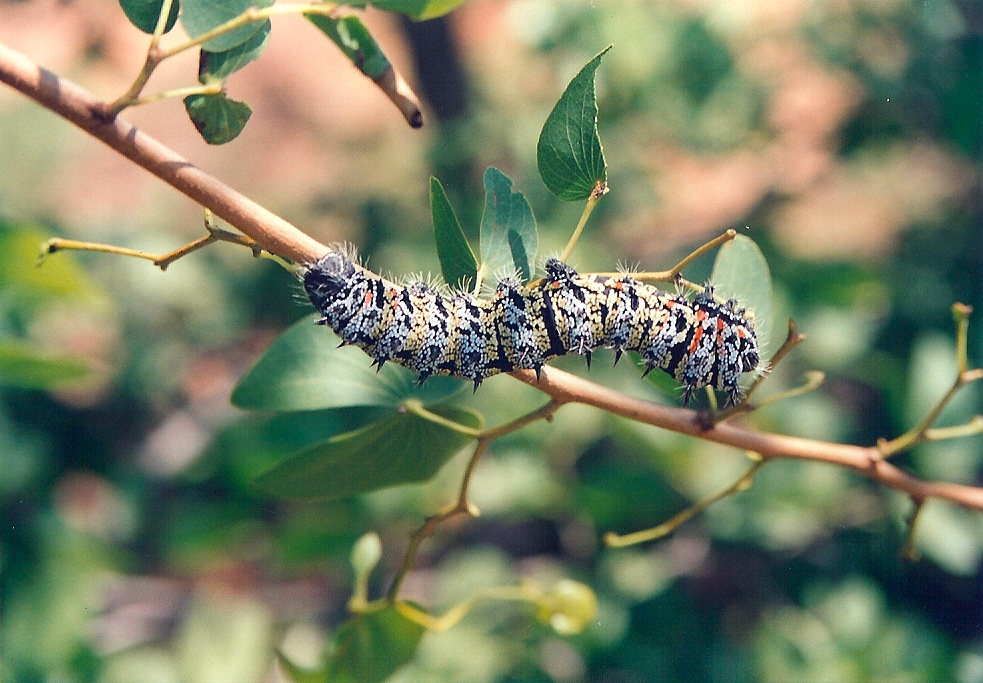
(329, 274)
(326, 278)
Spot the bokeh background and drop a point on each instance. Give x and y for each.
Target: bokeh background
(842, 136)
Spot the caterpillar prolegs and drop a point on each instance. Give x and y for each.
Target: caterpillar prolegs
(699, 343)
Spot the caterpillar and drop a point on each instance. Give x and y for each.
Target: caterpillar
(699, 343)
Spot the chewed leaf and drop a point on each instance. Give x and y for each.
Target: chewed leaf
(571, 161)
(458, 264)
(144, 14)
(218, 118)
(401, 449)
(305, 370)
(219, 65)
(741, 272)
(508, 229)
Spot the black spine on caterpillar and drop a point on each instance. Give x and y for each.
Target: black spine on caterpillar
(699, 343)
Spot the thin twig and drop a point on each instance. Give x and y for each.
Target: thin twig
(745, 481)
(462, 505)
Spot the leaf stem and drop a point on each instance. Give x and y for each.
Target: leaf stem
(211, 89)
(600, 189)
(416, 407)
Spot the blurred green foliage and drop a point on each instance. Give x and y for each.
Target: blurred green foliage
(135, 548)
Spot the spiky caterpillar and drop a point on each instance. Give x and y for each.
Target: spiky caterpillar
(699, 343)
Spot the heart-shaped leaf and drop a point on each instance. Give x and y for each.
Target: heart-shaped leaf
(218, 118)
(571, 161)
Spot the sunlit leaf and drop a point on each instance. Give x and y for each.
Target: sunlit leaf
(219, 65)
(508, 229)
(218, 118)
(144, 13)
(27, 367)
(741, 272)
(401, 449)
(201, 16)
(571, 161)
(353, 38)
(457, 262)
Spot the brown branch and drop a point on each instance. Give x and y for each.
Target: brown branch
(82, 108)
(280, 237)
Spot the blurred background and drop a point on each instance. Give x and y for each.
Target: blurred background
(843, 137)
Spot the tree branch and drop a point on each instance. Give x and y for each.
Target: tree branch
(280, 237)
(82, 108)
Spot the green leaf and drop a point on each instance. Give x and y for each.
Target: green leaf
(27, 367)
(201, 16)
(144, 13)
(457, 262)
(219, 65)
(401, 449)
(415, 9)
(571, 161)
(354, 39)
(304, 370)
(218, 119)
(741, 272)
(368, 648)
(508, 229)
